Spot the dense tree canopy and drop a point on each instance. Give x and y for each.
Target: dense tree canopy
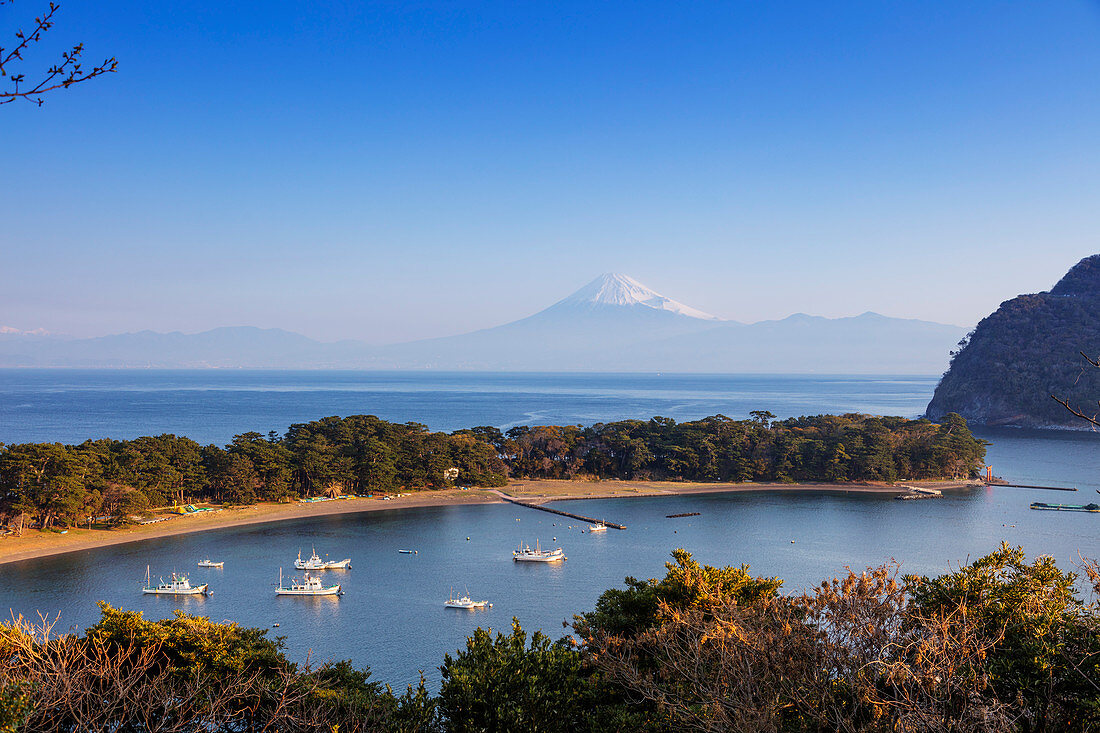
(54, 484)
(821, 448)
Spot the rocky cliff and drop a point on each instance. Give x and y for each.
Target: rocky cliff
(1029, 349)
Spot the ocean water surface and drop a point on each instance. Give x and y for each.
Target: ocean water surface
(392, 617)
(213, 405)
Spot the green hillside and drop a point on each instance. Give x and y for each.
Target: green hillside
(1029, 349)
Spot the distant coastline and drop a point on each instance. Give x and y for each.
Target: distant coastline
(613, 323)
(35, 543)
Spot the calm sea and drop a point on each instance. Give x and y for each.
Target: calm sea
(392, 616)
(211, 406)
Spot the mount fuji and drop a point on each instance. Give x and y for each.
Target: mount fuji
(613, 323)
(615, 290)
(585, 331)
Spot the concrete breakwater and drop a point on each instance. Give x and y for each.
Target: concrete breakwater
(581, 517)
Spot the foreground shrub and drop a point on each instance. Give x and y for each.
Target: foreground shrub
(185, 674)
(999, 645)
(503, 684)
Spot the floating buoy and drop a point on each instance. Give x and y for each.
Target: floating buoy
(275, 626)
(792, 542)
(467, 539)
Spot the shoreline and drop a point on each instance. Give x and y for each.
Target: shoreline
(35, 544)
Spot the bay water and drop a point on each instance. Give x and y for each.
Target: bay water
(392, 617)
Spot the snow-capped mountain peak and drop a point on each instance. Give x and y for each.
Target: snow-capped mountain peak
(10, 331)
(615, 289)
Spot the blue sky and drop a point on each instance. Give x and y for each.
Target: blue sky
(391, 171)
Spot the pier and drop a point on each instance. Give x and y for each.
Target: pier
(581, 517)
(1029, 486)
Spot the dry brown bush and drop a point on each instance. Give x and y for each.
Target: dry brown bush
(85, 685)
(852, 655)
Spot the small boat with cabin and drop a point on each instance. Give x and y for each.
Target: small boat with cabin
(308, 585)
(465, 602)
(525, 553)
(598, 527)
(208, 563)
(179, 585)
(316, 563)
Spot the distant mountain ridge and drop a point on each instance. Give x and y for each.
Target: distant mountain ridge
(1026, 351)
(613, 323)
(219, 347)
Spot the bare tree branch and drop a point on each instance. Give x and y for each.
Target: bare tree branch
(59, 76)
(1078, 413)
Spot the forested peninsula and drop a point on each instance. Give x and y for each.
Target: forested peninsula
(1007, 368)
(51, 484)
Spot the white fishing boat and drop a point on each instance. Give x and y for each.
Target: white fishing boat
(179, 585)
(208, 563)
(465, 602)
(308, 585)
(598, 527)
(315, 562)
(526, 553)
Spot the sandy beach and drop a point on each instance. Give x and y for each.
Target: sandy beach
(539, 491)
(35, 543)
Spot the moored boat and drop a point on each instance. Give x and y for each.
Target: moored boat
(1066, 507)
(598, 527)
(179, 585)
(465, 602)
(315, 562)
(308, 585)
(526, 553)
